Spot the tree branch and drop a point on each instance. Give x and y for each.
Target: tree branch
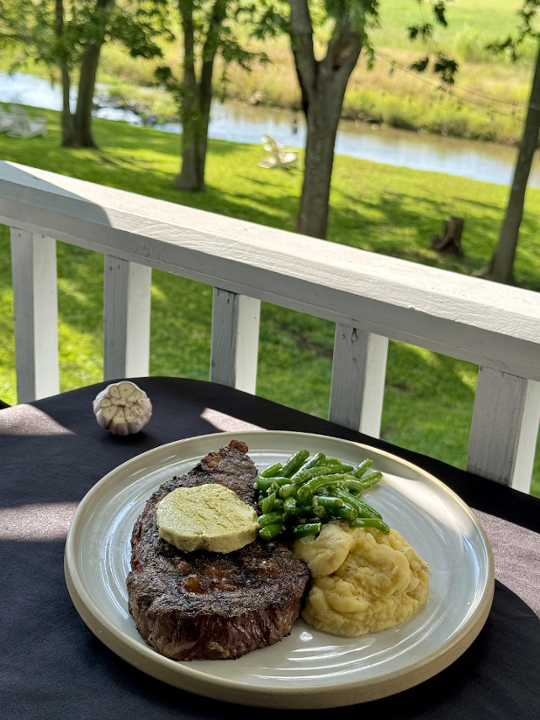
(343, 49)
(16, 38)
(302, 47)
(188, 27)
(211, 43)
(210, 48)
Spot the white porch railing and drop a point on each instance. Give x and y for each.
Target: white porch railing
(370, 298)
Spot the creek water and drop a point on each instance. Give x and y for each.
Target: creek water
(246, 124)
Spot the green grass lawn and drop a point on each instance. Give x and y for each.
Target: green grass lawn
(429, 398)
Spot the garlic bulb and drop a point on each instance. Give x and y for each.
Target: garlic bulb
(123, 409)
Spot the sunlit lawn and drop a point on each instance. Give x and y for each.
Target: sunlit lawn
(429, 398)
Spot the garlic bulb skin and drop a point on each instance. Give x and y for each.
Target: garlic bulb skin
(122, 408)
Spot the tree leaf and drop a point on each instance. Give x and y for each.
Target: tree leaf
(420, 65)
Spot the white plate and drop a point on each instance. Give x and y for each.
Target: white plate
(308, 669)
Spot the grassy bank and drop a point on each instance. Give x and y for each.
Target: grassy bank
(487, 102)
(429, 398)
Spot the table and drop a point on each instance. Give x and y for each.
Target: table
(52, 452)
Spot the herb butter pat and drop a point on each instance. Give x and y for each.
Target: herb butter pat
(208, 517)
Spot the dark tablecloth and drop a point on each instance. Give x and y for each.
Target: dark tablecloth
(52, 452)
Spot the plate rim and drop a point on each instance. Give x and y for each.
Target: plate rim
(188, 677)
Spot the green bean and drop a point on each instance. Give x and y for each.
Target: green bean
(303, 475)
(360, 485)
(277, 505)
(328, 501)
(282, 480)
(268, 503)
(355, 485)
(363, 509)
(372, 522)
(308, 529)
(267, 483)
(340, 468)
(304, 513)
(337, 464)
(271, 471)
(318, 482)
(347, 512)
(363, 467)
(315, 461)
(262, 483)
(294, 463)
(287, 491)
(368, 509)
(312, 491)
(270, 531)
(289, 506)
(371, 479)
(270, 519)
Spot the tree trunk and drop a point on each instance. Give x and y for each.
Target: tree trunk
(501, 267)
(323, 84)
(189, 177)
(83, 136)
(194, 143)
(67, 117)
(322, 123)
(82, 130)
(197, 98)
(195, 121)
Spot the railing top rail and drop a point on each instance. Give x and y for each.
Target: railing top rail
(457, 315)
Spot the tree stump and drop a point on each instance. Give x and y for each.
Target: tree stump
(450, 240)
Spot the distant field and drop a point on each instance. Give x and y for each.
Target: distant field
(491, 19)
(393, 211)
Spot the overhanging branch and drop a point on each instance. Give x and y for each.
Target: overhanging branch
(302, 46)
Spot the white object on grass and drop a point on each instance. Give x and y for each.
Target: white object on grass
(5, 120)
(24, 127)
(276, 155)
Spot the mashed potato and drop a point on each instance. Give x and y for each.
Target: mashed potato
(362, 580)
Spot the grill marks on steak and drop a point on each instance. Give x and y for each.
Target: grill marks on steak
(204, 605)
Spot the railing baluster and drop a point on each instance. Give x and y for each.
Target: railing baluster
(126, 319)
(33, 259)
(235, 340)
(358, 375)
(504, 428)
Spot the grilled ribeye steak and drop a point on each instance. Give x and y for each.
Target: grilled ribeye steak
(203, 605)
